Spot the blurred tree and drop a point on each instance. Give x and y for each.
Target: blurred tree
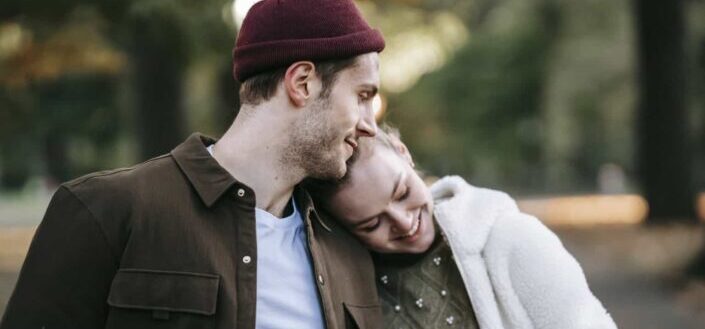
(664, 153)
(70, 45)
(38, 10)
(69, 74)
(697, 265)
(589, 96)
(479, 115)
(71, 109)
(164, 38)
(229, 97)
(159, 53)
(15, 148)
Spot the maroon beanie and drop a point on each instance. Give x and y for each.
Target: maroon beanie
(276, 33)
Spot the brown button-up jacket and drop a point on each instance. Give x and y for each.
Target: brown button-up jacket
(171, 243)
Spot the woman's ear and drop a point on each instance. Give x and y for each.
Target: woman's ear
(298, 82)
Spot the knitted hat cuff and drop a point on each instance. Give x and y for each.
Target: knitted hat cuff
(264, 56)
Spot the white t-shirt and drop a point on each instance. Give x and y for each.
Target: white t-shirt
(287, 296)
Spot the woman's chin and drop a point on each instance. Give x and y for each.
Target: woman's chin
(398, 249)
(426, 236)
(424, 242)
(419, 246)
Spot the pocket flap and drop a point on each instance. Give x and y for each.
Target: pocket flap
(164, 291)
(365, 317)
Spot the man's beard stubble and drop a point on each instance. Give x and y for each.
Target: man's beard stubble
(312, 146)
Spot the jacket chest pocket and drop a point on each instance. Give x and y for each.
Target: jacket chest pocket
(162, 299)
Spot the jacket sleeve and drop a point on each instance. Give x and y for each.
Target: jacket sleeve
(549, 282)
(67, 273)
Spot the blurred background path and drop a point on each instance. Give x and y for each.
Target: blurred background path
(635, 270)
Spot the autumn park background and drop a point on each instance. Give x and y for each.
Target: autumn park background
(591, 113)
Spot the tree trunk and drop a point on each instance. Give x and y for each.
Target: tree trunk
(158, 50)
(14, 168)
(57, 162)
(697, 265)
(663, 148)
(228, 92)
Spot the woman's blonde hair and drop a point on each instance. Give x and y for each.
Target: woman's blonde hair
(388, 136)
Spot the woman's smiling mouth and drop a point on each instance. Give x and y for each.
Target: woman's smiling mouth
(412, 234)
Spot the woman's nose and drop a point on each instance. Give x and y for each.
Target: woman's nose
(402, 220)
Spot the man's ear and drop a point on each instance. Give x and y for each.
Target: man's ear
(298, 81)
(401, 149)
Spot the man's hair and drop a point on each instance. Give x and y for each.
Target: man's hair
(262, 87)
(321, 190)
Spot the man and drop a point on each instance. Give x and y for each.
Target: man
(217, 234)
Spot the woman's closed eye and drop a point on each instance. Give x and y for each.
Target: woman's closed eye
(405, 194)
(374, 224)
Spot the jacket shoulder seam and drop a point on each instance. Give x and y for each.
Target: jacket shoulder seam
(114, 171)
(95, 222)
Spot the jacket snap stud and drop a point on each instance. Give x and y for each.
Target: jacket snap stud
(419, 303)
(444, 293)
(384, 279)
(450, 320)
(320, 279)
(240, 193)
(246, 259)
(397, 308)
(437, 261)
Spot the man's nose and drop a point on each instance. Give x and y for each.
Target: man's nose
(367, 126)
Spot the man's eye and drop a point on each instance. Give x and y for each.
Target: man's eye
(365, 96)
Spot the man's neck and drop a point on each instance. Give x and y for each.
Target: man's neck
(251, 153)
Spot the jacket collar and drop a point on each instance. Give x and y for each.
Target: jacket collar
(467, 213)
(209, 179)
(308, 210)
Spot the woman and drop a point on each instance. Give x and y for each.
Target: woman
(455, 255)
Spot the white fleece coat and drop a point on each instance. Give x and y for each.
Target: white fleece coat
(516, 271)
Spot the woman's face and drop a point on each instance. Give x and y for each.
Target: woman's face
(386, 204)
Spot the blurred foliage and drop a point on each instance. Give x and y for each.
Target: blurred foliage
(540, 98)
(66, 71)
(479, 115)
(524, 95)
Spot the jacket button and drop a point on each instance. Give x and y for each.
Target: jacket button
(320, 279)
(246, 259)
(240, 192)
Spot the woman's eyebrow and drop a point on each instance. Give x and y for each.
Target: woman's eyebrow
(397, 183)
